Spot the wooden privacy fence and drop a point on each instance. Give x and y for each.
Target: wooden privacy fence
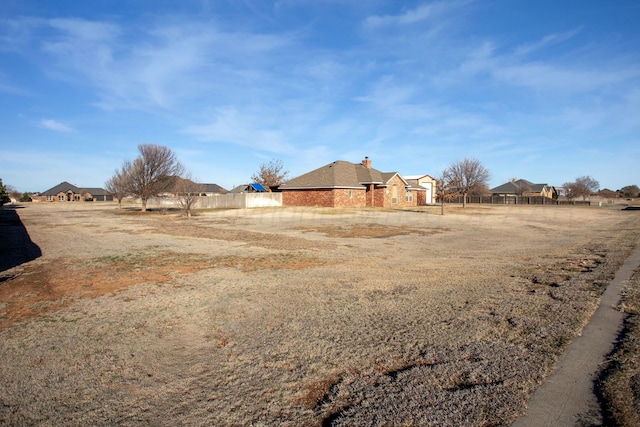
(240, 200)
(518, 200)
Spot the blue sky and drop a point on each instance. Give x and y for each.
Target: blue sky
(542, 90)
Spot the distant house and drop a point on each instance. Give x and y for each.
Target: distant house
(607, 194)
(250, 188)
(65, 192)
(427, 182)
(524, 188)
(213, 190)
(180, 185)
(346, 184)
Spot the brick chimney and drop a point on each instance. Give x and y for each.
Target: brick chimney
(366, 162)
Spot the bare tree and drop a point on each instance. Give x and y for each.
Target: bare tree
(117, 184)
(187, 193)
(444, 191)
(631, 191)
(582, 187)
(465, 177)
(151, 173)
(270, 174)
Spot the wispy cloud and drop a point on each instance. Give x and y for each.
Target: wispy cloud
(424, 12)
(551, 75)
(162, 64)
(229, 126)
(81, 45)
(546, 41)
(13, 90)
(55, 125)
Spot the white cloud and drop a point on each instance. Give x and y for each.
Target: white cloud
(232, 127)
(558, 76)
(13, 90)
(387, 95)
(407, 17)
(549, 40)
(561, 79)
(55, 125)
(424, 12)
(161, 65)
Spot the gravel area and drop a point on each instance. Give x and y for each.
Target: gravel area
(286, 316)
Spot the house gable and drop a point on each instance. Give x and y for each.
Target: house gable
(63, 187)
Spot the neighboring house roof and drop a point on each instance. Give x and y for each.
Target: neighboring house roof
(206, 188)
(64, 187)
(607, 193)
(247, 188)
(414, 184)
(507, 188)
(418, 177)
(340, 174)
(514, 187)
(96, 191)
(214, 188)
(239, 189)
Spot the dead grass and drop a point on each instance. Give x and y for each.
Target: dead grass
(296, 316)
(41, 288)
(620, 384)
(370, 230)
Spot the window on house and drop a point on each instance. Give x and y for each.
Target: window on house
(394, 194)
(351, 194)
(49, 198)
(409, 196)
(61, 198)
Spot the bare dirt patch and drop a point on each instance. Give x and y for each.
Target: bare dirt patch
(297, 317)
(43, 287)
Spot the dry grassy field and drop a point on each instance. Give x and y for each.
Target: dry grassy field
(296, 316)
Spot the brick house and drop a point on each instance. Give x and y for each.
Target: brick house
(346, 184)
(65, 192)
(427, 182)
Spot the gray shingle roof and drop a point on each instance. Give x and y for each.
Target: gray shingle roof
(96, 191)
(63, 187)
(339, 174)
(214, 188)
(414, 184)
(513, 187)
(507, 188)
